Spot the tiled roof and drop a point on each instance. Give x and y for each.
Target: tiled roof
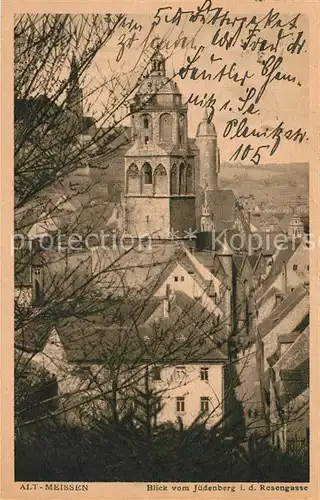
(224, 209)
(297, 353)
(253, 259)
(285, 221)
(265, 241)
(119, 331)
(270, 293)
(283, 255)
(282, 310)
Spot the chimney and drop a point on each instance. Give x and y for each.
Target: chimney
(166, 302)
(279, 298)
(284, 279)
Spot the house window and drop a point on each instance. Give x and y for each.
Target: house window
(146, 123)
(256, 413)
(37, 271)
(204, 373)
(156, 373)
(204, 404)
(176, 278)
(147, 218)
(146, 141)
(180, 405)
(308, 267)
(295, 267)
(249, 413)
(181, 371)
(182, 278)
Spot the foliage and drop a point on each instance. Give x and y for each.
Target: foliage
(120, 452)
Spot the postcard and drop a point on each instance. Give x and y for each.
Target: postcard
(159, 249)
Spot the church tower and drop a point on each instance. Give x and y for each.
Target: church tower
(159, 167)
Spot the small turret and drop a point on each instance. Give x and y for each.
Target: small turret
(296, 227)
(206, 217)
(158, 64)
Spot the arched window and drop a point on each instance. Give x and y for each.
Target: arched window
(166, 128)
(182, 179)
(160, 180)
(145, 129)
(189, 179)
(133, 182)
(173, 180)
(146, 174)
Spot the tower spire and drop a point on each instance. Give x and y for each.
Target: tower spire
(74, 97)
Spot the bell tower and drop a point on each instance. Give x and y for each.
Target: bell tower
(159, 167)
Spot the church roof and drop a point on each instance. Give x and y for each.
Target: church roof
(158, 84)
(224, 209)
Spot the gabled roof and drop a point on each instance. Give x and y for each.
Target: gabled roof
(283, 310)
(285, 221)
(117, 332)
(283, 255)
(253, 259)
(147, 268)
(297, 353)
(265, 241)
(270, 293)
(224, 209)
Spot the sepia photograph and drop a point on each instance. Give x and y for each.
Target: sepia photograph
(161, 247)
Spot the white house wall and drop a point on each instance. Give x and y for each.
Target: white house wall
(189, 286)
(192, 388)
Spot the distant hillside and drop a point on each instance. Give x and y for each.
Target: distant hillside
(269, 183)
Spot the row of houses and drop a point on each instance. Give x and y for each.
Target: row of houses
(216, 332)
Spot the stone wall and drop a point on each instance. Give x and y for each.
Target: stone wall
(182, 214)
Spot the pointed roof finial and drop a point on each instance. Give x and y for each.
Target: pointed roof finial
(205, 194)
(206, 127)
(74, 67)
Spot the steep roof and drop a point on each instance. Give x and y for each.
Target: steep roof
(297, 353)
(283, 255)
(118, 332)
(224, 209)
(285, 221)
(265, 241)
(283, 310)
(146, 268)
